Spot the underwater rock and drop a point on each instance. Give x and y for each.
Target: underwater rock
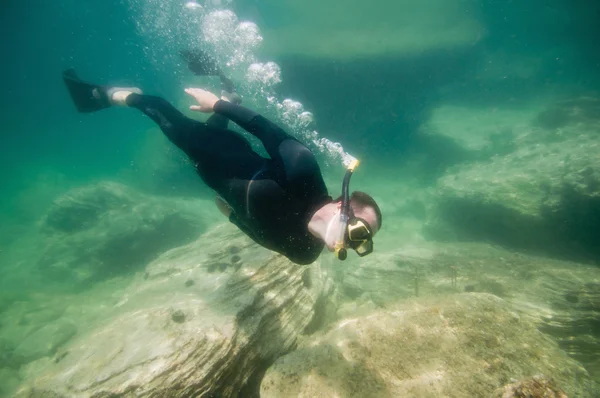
(82, 208)
(561, 298)
(537, 386)
(389, 276)
(236, 324)
(542, 197)
(106, 229)
(44, 341)
(466, 345)
(189, 282)
(482, 130)
(178, 316)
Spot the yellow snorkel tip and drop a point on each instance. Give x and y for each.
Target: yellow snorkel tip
(353, 165)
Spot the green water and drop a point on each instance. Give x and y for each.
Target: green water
(436, 99)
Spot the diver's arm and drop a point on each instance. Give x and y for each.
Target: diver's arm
(301, 169)
(268, 132)
(294, 158)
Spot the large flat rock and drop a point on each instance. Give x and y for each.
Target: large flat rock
(468, 345)
(561, 298)
(203, 320)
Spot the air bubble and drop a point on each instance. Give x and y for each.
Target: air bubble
(233, 44)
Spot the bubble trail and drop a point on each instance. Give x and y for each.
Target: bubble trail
(233, 43)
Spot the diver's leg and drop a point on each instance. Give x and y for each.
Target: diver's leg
(218, 154)
(179, 129)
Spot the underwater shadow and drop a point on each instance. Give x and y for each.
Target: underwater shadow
(570, 232)
(259, 355)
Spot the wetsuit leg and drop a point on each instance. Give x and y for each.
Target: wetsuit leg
(179, 129)
(219, 155)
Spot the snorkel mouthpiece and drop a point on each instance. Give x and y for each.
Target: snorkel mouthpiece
(340, 250)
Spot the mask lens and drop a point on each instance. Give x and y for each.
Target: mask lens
(360, 237)
(358, 230)
(365, 248)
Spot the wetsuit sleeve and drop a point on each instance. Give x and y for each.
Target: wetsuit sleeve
(268, 132)
(296, 160)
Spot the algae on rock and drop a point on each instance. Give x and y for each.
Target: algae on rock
(454, 346)
(561, 298)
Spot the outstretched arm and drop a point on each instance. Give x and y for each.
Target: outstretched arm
(268, 132)
(301, 169)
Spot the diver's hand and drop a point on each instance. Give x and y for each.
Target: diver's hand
(206, 99)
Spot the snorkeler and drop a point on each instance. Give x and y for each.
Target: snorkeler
(280, 202)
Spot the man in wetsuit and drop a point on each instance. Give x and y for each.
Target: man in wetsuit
(280, 202)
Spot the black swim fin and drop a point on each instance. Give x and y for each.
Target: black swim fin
(202, 64)
(86, 96)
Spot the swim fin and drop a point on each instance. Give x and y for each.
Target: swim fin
(202, 64)
(86, 96)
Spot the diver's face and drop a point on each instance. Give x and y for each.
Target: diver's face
(368, 214)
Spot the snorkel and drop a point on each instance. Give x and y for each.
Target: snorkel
(340, 249)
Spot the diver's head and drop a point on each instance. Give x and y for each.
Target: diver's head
(356, 225)
(349, 222)
(364, 206)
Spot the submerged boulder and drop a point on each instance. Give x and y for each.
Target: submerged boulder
(205, 319)
(466, 345)
(543, 196)
(101, 230)
(561, 298)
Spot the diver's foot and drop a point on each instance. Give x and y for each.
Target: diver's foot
(233, 97)
(118, 95)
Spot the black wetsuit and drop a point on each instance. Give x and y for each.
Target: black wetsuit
(272, 200)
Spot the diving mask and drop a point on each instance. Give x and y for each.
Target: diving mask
(359, 236)
(355, 232)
